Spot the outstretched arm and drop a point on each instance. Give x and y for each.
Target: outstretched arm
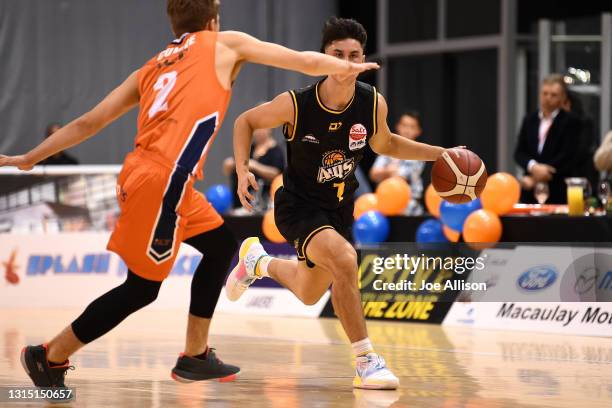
(269, 115)
(390, 144)
(251, 49)
(119, 101)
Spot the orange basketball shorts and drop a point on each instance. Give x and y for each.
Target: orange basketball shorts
(159, 209)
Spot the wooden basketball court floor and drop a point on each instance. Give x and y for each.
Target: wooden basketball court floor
(299, 362)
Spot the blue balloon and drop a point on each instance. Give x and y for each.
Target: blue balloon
(454, 215)
(371, 228)
(430, 231)
(220, 197)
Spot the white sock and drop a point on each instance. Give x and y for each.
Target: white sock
(261, 269)
(362, 347)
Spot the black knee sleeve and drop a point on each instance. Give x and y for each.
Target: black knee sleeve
(217, 248)
(110, 309)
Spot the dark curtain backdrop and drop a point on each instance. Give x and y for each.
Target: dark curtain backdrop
(60, 57)
(456, 95)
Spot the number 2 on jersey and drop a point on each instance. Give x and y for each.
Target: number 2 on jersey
(163, 86)
(340, 187)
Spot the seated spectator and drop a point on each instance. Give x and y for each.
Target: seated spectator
(60, 158)
(267, 162)
(408, 126)
(603, 155)
(547, 143)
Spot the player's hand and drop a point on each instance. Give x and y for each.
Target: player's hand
(246, 180)
(355, 68)
(21, 162)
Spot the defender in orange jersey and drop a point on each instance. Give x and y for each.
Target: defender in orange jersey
(183, 93)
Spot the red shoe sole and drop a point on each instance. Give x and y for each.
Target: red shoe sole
(229, 378)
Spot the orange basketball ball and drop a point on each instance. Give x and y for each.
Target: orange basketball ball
(393, 195)
(450, 234)
(501, 193)
(365, 203)
(270, 230)
(482, 226)
(459, 176)
(275, 185)
(432, 201)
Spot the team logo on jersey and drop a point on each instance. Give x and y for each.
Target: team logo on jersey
(333, 126)
(357, 136)
(310, 138)
(335, 166)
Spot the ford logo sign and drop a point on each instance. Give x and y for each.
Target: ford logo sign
(538, 278)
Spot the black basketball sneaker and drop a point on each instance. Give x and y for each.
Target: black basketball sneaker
(35, 363)
(189, 369)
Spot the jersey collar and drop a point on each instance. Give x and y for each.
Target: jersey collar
(325, 108)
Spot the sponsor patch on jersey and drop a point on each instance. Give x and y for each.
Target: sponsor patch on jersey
(335, 165)
(310, 138)
(357, 136)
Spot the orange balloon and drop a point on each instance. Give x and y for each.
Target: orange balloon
(270, 229)
(432, 201)
(275, 185)
(451, 234)
(393, 195)
(482, 226)
(365, 203)
(501, 193)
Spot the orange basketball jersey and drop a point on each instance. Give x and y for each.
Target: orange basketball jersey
(182, 103)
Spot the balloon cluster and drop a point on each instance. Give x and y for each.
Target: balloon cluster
(478, 221)
(371, 224)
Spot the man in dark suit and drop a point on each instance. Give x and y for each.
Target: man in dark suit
(547, 143)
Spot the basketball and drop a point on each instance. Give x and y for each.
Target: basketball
(459, 176)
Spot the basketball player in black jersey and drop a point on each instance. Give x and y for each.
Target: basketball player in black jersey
(327, 126)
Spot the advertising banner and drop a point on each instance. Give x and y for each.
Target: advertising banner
(70, 270)
(554, 289)
(399, 284)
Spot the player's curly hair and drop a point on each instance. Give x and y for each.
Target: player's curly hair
(189, 16)
(342, 28)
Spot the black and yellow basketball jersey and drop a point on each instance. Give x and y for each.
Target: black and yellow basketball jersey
(325, 145)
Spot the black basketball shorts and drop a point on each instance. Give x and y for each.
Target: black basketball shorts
(299, 220)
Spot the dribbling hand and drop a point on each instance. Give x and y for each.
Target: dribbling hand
(246, 180)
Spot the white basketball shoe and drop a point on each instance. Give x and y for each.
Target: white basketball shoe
(372, 373)
(243, 275)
